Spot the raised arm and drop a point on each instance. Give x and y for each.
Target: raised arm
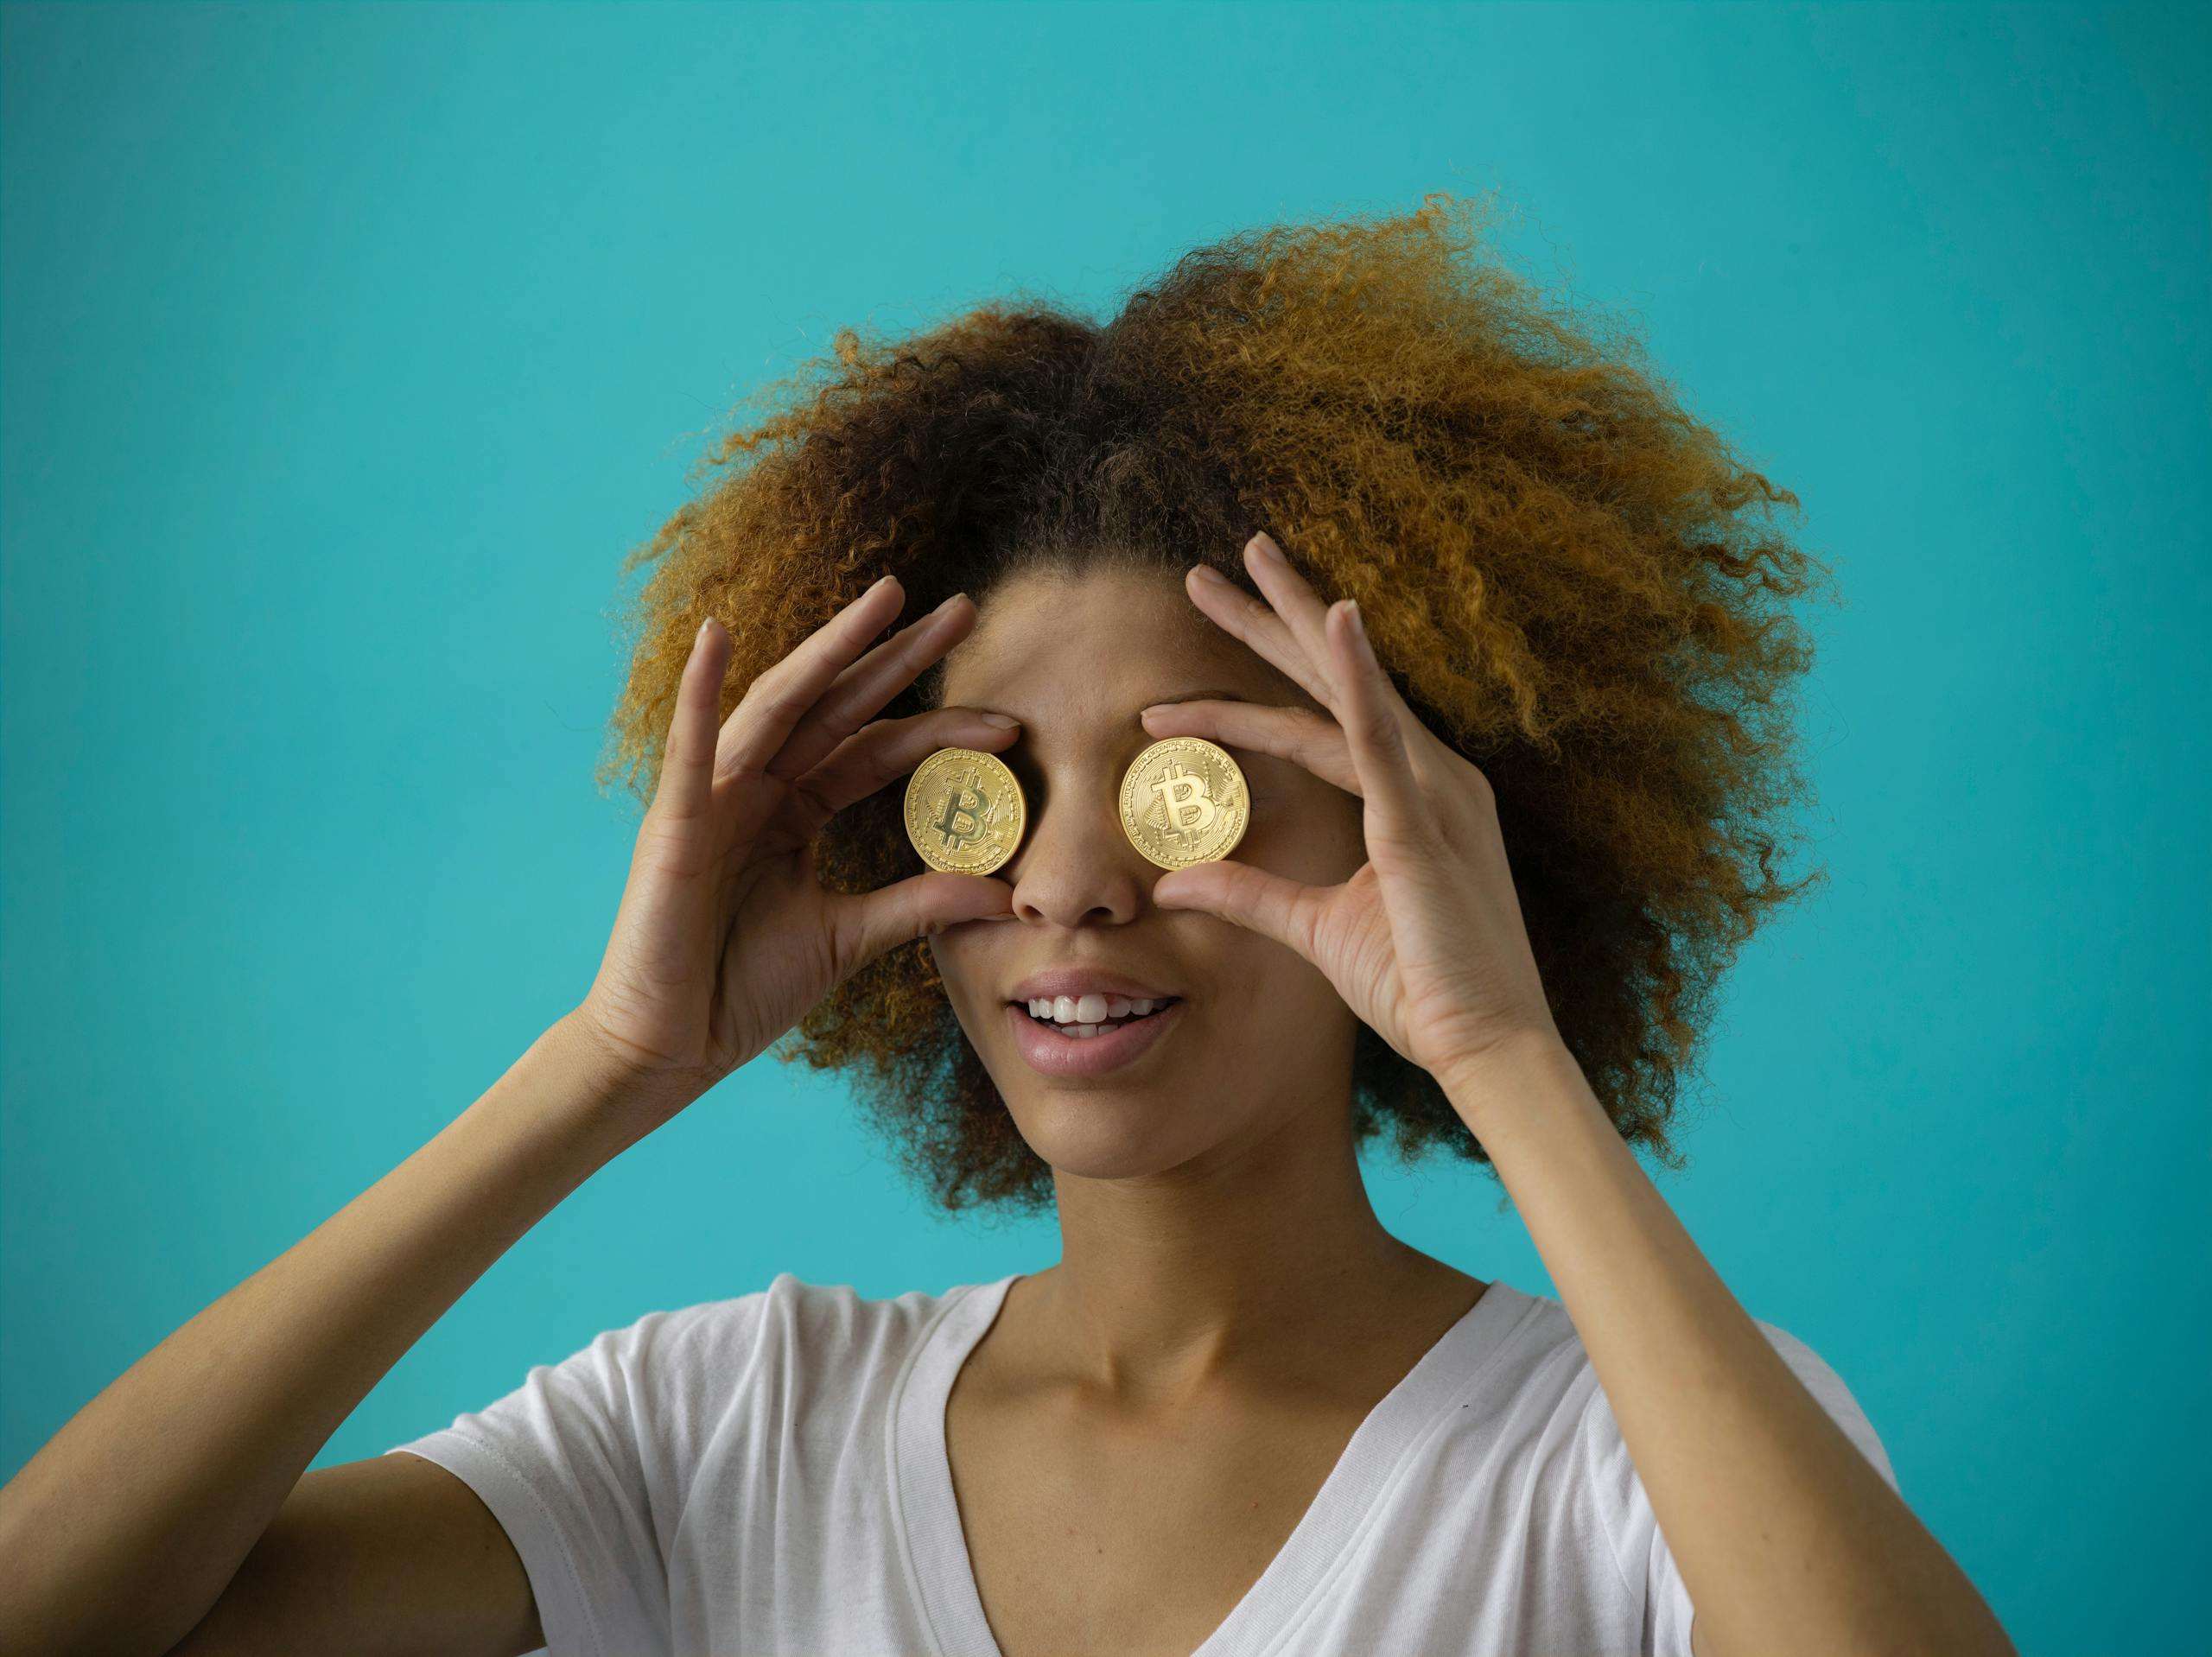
(1787, 1538)
(173, 1505)
(126, 1528)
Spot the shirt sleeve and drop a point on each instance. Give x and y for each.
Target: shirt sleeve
(1642, 1548)
(584, 1467)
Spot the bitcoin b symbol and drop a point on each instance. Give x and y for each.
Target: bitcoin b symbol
(963, 811)
(963, 801)
(1184, 805)
(1183, 801)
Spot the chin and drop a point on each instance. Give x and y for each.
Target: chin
(1107, 1133)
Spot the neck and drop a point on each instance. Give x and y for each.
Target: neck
(1266, 1260)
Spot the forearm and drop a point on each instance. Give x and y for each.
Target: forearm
(128, 1525)
(1787, 1538)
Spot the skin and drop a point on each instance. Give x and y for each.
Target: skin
(1226, 1310)
(1182, 1370)
(1787, 1538)
(1179, 1379)
(1176, 1176)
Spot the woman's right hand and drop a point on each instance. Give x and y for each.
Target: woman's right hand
(725, 938)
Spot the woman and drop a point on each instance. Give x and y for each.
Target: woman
(1236, 1415)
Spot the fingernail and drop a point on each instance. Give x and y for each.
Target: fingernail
(1004, 721)
(1265, 544)
(1208, 574)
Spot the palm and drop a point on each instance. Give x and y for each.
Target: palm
(1352, 946)
(1425, 941)
(726, 936)
(778, 962)
(1424, 994)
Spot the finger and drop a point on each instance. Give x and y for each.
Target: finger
(687, 765)
(860, 692)
(876, 754)
(1306, 616)
(1271, 905)
(1238, 614)
(760, 724)
(1295, 601)
(1397, 809)
(1298, 734)
(866, 924)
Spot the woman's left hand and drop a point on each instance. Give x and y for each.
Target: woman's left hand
(1425, 942)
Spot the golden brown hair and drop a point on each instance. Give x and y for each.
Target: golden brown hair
(1566, 574)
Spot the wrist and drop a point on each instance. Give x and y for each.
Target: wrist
(1515, 1066)
(615, 1083)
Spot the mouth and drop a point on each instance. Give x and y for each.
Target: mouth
(1092, 1048)
(1113, 1012)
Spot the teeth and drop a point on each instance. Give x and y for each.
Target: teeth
(1082, 1015)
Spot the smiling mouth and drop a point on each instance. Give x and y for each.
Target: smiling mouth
(1075, 1030)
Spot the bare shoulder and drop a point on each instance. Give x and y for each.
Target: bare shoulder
(389, 1553)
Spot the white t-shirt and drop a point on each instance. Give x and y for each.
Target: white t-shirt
(767, 1475)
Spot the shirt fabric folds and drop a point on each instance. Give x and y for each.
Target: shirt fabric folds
(765, 1477)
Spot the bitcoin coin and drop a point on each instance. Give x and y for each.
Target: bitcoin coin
(1184, 801)
(964, 810)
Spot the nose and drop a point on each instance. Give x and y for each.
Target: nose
(1076, 865)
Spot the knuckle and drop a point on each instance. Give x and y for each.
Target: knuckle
(668, 847)
(1416, 833)
(772, 692)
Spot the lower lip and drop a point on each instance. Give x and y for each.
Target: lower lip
(1054, 1054)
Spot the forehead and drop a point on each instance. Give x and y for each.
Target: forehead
(1092, 650)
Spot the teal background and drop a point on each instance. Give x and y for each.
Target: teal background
(348, 348)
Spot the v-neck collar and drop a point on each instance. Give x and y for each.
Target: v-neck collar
(934, 1545)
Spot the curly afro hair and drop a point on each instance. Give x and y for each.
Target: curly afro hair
(1568, 578)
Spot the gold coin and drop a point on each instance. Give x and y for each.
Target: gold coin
(964, 810)
(1184, 801)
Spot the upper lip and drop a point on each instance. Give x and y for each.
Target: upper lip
(1078, 981)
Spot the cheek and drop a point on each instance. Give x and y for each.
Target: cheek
(950, 960)
(1277, 1031)
(1316, 842)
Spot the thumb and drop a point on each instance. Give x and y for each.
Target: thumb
(1250, 897)
(869, 922)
